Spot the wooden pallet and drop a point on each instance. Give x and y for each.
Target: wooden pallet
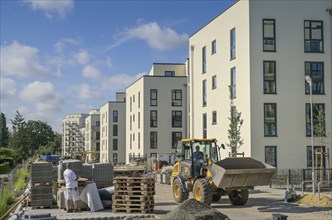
(126, 179)
(133, 197)
(135, 188)
(134, 203)
(133, 193)
(130, 183)
(128, 210)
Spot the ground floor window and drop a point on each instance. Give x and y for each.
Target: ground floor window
(271, 155)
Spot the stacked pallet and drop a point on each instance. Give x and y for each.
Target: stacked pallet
(41, 185)
(133, 194)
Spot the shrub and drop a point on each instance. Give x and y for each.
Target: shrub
(6, 199)
(4, 168)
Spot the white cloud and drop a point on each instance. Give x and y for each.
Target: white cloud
(119, 82)
(84, 91)
(43, 95)
(21, 61)
(91, 72)
(8, 88)
(109, 62)
(60, 45)
(52, 7)
(84, 107)
(157, 37)
(82, 57)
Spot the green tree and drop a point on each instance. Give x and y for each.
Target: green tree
(18, 122)
(4, 132)
(53, 147)
(234, 131)
(33, 136)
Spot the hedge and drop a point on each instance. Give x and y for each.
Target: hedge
(4, 168)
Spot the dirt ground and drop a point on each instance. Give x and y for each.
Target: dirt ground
(262, 204)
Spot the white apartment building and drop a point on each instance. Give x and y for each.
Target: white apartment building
(156, 111)
(264, 50)
(92, 133)
(113, 130)
(73, 134)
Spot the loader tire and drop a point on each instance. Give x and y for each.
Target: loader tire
(202, 191)
(217, 195)
(238, 197)
(179, 193)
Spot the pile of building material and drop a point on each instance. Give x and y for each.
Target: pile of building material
(193, 209)
(41, 184)
(164, 175)
(133, 194)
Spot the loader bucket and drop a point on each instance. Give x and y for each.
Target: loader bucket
(241, 172)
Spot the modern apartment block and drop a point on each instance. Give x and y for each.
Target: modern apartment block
(113, 130)
(73, 134)
(264, 50)
(92, 133)
(156, 111)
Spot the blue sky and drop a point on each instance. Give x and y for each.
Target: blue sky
(60, 57)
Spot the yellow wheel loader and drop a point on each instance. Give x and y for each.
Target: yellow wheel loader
(200, 170)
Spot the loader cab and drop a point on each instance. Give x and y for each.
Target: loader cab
(197, 155)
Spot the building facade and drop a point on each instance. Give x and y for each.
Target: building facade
(260, 59)
(113, 130)
(156, 111)
(92, 134)
(73, 134)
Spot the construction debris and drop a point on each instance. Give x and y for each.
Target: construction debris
(193, 209)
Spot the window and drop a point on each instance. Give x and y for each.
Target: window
(131, 122)
(97, 135)
(115, 144)
(317, 162)
(213, 47)
(204, 93)
(177, 119)
(269, 77)
(131, 141)
(131, 104)
(269, 35)
(232, 46)
(154, 155)
(169, 73)
(204, 126)
(233, 83)
(271, 155)
(316, 71)
(115, 130)
(176, 136)
(153, 97)
(133, 98)
(139, 120)
(313, 37)
(115, 116)
(176, 97)
(270, 119)
(139, 140)
(204, 60)
(98, 147)
(115, 158)
(139, 99)
(214, 82)
(214, 117)
(318, 119)
(97, 123)
(153, 140)
(153, 118)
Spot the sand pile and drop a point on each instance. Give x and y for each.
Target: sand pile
(312, 200)
(192, 209)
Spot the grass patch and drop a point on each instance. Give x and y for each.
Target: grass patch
(7, 198)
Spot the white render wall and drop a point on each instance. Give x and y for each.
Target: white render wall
(106, 131)
(141, 106)
(92, 127)
(247, 18)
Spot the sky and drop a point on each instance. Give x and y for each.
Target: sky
(61, 57)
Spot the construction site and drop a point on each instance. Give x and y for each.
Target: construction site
(196, 186)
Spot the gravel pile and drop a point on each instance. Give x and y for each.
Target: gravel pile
(192, 209)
